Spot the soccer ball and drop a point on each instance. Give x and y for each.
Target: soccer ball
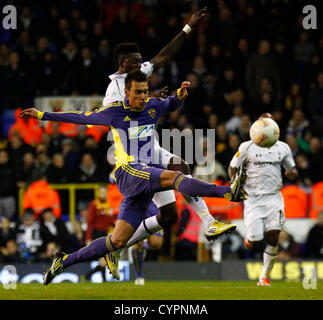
(264, 132)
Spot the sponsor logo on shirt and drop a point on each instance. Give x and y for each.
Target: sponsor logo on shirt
(141, 131)
(152, 113)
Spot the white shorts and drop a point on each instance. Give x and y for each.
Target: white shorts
(162, 157)
(263, 213)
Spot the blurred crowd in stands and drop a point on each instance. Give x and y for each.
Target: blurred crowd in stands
(244, 58)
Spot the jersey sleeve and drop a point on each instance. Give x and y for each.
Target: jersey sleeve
(147, 68)
(240, 156)
(112, 94)
(288, 160)
(102, 116)
(169, 104)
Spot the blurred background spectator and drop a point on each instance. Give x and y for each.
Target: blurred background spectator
(314, 242)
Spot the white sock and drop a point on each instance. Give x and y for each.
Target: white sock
(147, 227)
(269, 257)
(199, 206)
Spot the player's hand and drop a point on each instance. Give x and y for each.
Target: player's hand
(196, 17)
(291, 174)
(162, 93)
(29, 113)
(182, 94)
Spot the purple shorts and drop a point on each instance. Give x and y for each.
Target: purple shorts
(137, 183)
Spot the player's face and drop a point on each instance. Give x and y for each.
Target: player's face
(137, 94)
(132, 62)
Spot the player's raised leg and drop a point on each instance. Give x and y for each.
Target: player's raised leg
(214, 228)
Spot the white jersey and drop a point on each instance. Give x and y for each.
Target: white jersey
(115, 90)
(264, 175)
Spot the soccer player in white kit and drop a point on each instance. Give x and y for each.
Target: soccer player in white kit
(128, 58)
(264, 207)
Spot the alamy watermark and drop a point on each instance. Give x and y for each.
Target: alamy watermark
(310, 20)
(310, 278)
(9, 277)
(9, 18)
(142, 143)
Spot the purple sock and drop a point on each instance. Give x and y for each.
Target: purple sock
(197, 188)
(138, 258)
(95, 250)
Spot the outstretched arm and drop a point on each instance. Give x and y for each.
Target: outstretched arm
(172, 103)
(99, 117)
(168, 52)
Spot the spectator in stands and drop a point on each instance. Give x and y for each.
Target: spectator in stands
(303, 49)
(46, 75)
(42, 161)
(292, 143)
(294, 99)
(211, 169)
(6, 232)
(311, 70)
(195, 98)
(288, 249)
(40, 196)
(76, 239)
(314, 241)
(28, 237)
(315, 104)
(243, 130)
(10, 252)
(7, 186)
(71, 157)
(90, 146)
(305, 171)
(187, 235)
(315, 158)
(49, 252)
(231, 149)
(260, 65)
(84, 77)
(88, 170)
(298, 124)
(101, 219)
(15, 82)
(56, 137)
(28, 172)
(57, 172)
(17, 148)
(53, 229)
(235, 121)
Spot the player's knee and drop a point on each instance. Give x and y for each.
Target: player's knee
(118, 243)
(177, 164)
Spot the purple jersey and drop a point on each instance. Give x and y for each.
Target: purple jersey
(133, 131)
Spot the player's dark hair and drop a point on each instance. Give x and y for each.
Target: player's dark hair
(121, 51)
(134, 76)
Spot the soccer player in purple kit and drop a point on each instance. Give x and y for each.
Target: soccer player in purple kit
(128, 58)
(136, 177)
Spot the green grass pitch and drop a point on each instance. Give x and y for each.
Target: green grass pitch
(164, 290)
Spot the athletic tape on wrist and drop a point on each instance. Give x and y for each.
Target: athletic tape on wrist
(187, 29)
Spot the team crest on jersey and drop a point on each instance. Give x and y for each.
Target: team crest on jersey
(152, 113)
